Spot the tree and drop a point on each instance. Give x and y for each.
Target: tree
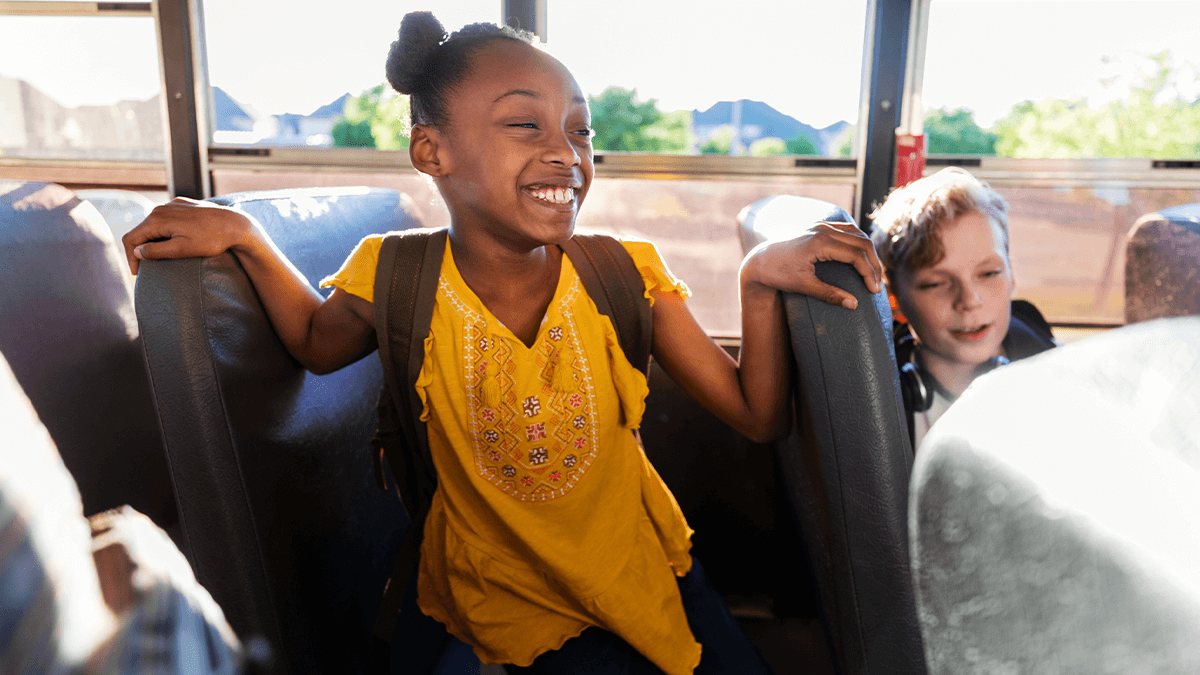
(624, 125)
(844, 144)
(1154, 120)
(347, 134)
(375, 119)
(802, 145)
(954, 132)
(719, 143)
(768, 147)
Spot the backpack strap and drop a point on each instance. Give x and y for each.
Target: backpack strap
(406, 281)
(1028, 332)
(614, 283)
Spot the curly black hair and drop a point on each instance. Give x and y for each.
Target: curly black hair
(427, 64)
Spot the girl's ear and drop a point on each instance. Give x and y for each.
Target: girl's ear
(425, 151)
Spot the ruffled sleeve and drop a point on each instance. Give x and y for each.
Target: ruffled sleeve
(630, 383)
(357, 275)
(654, 271)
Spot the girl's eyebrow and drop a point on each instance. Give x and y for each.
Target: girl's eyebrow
(518, 92)
(533, 94)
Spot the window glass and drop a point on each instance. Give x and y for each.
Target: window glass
(93, 96)
(692, 222)
(694, 225)
(1068, 243)
(752, 77)
(1063, 79)
(282, 72)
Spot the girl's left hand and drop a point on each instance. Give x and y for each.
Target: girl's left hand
(790, 265)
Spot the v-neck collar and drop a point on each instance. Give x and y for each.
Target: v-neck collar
(553, 313)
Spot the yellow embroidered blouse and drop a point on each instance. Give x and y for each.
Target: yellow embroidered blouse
(548, 518)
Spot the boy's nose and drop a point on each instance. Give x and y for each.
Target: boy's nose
(969, 298)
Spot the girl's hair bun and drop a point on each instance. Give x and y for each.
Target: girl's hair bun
(409, 59)
(427, 64)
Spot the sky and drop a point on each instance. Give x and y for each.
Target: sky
(803, 57)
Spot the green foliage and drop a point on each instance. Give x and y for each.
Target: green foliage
(1152, 121)
(624, 125)
(844, 144)
(954, 132)
(671, 134)
(767, 147)
(373, 120)
(719, 143)
(802, 145)
(347, 134)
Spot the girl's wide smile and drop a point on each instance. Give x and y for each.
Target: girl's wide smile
(554, 195)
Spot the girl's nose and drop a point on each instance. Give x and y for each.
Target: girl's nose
(560, 150)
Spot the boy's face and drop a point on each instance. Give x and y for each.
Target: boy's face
(519, 146)
(960, 307)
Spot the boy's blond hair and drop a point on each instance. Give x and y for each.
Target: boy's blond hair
(907, 227)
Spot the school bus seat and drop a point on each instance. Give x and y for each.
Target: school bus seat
(1162, 265)
(69, 333)
(733, 496)
(847, 460)
(1054, 511)
(280, 514)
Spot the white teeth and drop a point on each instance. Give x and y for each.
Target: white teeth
(556, 195)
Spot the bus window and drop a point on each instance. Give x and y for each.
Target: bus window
(694, 225)
(682, 191)
(318, 61)
(758, 78)
(82, 88)
(1064, 107)
(755, 84)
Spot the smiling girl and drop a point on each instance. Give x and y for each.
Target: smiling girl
(563, 554)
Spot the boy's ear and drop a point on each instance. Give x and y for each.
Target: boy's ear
(426, 152)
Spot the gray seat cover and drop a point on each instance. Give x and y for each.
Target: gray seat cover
(1056, 511)
(1162, 265)
(281, 518)
(847, 461)
(69, 333)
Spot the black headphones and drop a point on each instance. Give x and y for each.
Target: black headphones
(917, 385)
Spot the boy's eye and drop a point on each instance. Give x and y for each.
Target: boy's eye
(524, 125)
(991, 273)
(928, 285)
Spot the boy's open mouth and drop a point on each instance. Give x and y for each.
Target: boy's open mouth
(971, 333)
(554, 195)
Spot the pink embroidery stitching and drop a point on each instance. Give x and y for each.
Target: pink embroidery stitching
(535, 432)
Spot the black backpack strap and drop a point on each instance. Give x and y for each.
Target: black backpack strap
(406, 281)
(614, 283)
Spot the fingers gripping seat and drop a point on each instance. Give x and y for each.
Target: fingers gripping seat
(1162, 265)
(69, 333)
(847, 459)
(1055, 507)
(280, 514)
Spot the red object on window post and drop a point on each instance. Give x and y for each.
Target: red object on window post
(910, 158)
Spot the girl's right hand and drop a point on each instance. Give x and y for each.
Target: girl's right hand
(186, 228)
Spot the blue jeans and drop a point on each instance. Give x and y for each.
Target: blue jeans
(726, 649)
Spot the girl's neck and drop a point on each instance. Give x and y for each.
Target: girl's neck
(516, 286)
